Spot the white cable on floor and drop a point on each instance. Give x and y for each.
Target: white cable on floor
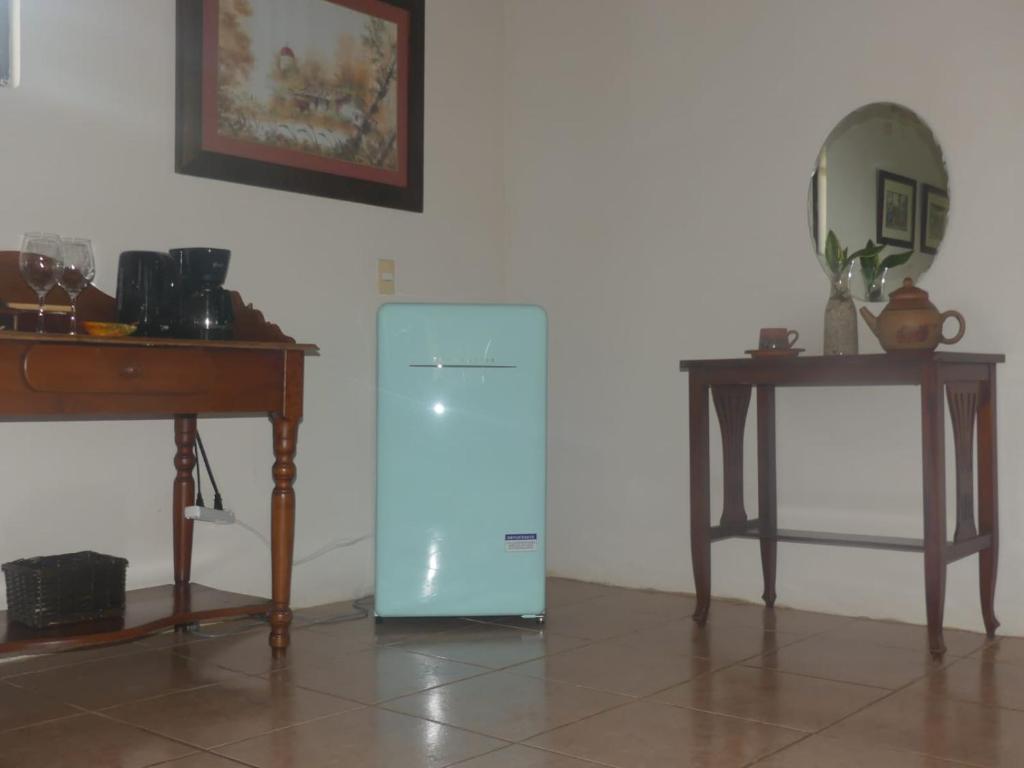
(330, 547)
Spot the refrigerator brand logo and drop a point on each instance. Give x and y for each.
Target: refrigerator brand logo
(520, 542)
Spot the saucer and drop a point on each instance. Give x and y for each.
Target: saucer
(788, 352)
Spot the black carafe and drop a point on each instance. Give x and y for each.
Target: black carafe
(205, 306)
(145, 292)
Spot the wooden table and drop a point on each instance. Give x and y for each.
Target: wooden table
(969, 383)
(55, 376)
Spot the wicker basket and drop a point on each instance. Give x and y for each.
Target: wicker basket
(64, 589)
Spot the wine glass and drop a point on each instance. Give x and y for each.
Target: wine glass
(79, 270)
(41, 264)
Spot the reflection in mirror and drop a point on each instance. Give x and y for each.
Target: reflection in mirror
(878, 201)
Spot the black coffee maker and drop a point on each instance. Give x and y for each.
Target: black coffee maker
(147, 293)
(205, 306)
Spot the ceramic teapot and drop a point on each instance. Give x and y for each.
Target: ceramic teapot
(910, 321)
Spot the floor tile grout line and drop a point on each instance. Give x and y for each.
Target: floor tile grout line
(357, 706)
(524, 745)
(47, 721)
(835, 680)
(147, 731)
(463, 761)
(745, 665)
(513, 741)
(584, 760)
(164, 763)
(507, 742)
(154, 697)
(878, 701)
(316, 719)
(781, 726)
(9, 679)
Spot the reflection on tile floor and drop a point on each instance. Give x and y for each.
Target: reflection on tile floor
(617, 678)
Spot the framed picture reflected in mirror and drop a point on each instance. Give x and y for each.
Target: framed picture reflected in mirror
(896, 201)
(934, 212)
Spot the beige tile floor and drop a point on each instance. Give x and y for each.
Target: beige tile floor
(618, 678)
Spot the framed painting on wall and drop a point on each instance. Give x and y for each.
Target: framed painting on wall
(934, 212)
(895, 201)
(322, 97)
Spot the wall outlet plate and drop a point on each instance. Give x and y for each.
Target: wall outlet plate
(209, 515)
(386, 277)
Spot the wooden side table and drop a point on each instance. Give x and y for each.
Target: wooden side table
(56, 376)
(966, 381)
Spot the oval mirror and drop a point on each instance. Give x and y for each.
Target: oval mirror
(878, 201)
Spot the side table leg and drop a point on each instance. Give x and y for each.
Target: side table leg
(184, 494)
(766, 491)
(282, 529)
(700, 497)
(731, 404)
(988, 500)
(933, 456)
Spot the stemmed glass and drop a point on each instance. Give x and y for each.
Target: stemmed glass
(41, 265)
(79, 270)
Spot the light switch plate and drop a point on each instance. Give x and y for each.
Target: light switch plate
(386, 277)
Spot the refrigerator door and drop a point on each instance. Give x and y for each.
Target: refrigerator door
(461, 460)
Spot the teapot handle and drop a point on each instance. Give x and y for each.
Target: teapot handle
(960, 333)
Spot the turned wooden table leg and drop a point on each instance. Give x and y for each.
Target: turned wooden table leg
(766, 492)
(700, 497)
(988, 500)
(933, 438)
(282, 529)
(184, 495)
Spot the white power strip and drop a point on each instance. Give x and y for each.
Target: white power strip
(209, 515)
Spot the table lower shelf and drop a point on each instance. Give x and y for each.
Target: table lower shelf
(955, 550)
(147, 611)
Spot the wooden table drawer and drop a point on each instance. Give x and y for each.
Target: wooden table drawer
(132, 370)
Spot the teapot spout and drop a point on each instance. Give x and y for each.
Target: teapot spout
(870, 319)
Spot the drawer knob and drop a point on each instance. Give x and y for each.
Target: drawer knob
(130, 371)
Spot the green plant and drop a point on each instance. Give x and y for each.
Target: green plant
(872, 266)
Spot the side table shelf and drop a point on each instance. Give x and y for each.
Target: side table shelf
(147, 611)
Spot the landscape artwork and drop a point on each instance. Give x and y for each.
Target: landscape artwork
(315, 84)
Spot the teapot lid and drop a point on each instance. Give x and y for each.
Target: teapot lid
(909, 296)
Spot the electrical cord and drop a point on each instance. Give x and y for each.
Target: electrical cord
(329, 547)
(362, 608)
(218, 503)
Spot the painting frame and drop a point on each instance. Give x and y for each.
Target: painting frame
(896, 205)
(197, 154)
(933, 199)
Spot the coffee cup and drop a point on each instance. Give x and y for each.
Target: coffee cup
(777, 338)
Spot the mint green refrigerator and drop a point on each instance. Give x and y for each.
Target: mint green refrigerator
(461, 460)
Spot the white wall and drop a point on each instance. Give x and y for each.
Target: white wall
(656, 163)
(87, 148)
